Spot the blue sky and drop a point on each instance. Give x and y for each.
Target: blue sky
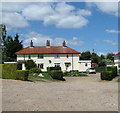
(84, 25)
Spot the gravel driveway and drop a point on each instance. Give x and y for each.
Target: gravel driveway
(74, 94)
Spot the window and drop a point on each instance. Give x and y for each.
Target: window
(56, 56)
(86, 64)
(40, 56)
(57, 64)
(67, 56)
(119, 57)
(29, 56)
(41, 66)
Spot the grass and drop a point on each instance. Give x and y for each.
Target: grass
(32, 77)
(77, 74)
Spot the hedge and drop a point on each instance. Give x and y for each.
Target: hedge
(106, 75)
(30, 64)
(9, 71)
(113, 69)
(56, 74)
(53, 68)
(35, 70)
(22, 75)
(19, 66)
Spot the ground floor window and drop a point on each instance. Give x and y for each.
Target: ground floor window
(41, 66)
(57, 64)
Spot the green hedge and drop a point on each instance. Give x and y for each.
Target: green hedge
(22, 75)
(9, 71)
(56, 74)
(53, 68)
(106, 75)
(74, 74)
(113, 69)
(35, 70)
(30, 64)
(19, 66)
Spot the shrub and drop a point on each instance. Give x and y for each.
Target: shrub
(22, 75)
(106, 75)
(53, 68)
(19, 66)
(9, 71)
(30, 64)
(56, 74)
(113, 69)
(35, 70)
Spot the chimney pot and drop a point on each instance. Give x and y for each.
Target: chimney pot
(31, 43)
(48, 43)
(64, 43)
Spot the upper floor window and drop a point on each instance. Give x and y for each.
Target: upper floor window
(29, 56)
(56, 56)
(67, 56)
(40, 56)
(86, 64)
(57, 64)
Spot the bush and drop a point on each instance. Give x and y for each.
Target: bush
(35, 70)
(56, 74)
(30, 64)
(106, 75)
(9, 71)
(19, 66)
(113, 69)
(53, 68)
(22, 75)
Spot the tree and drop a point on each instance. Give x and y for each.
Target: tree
(85, 55)
(12, 46)
(95, 58)
(110, 56)
(30, 64)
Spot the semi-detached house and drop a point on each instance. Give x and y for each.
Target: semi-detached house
(49, 56)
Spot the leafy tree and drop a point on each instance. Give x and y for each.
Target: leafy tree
(95, 58)
(85, 55)
(110, 56)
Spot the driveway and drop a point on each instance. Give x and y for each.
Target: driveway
(74, 94)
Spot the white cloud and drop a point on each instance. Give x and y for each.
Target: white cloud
(110, 42)
(112, 31)
(40, 40)
(106, 7)
(62, 15)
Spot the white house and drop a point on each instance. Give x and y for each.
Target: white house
(117, 60)
(49, 56)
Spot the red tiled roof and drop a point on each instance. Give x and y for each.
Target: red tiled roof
(117, 54)
(44, 49)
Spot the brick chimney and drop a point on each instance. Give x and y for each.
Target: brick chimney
(64, 43)
(48, 43)
(31, 43)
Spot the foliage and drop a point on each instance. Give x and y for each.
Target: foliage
(35, 70)
(9, 71)
(113, 69)
(95, 58)
(9, 46)
(100, 69)
(53, 68)
(85, 55)
(19, 66)
(22, 75)
(74, 74)
(56, 74)
(106, 75)
(30, 64)
(110, 56)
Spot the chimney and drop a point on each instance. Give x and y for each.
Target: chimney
(64, 43)
(31, 43)
(48, 43)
